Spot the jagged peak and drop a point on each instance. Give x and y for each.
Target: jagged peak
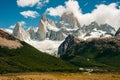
(31, 28)
(17, 25)
(44, 17)
(67, 14)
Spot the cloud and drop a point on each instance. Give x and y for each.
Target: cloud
(31, 14)
(22, 23)
(31, 3)
(12, 26)
(58, 11)
(71, 6)
(102, 14)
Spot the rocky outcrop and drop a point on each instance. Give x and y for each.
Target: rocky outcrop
(93, 52)
(57, 36)
(32, 33)
(118, 32)
(42, 29)
(68, 24)
(103, 27)
(69, 20)
(72, 45)
(68, 43)
(20, 33)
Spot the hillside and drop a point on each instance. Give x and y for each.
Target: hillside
(28, 59)
(94, 52)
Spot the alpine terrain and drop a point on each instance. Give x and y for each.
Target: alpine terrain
(54, 33)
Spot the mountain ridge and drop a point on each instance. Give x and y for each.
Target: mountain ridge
(29, 59)
(93, 52)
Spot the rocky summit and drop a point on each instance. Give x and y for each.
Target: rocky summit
(58, 31)
(51, 31)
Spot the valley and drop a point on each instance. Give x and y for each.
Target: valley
(59, 40)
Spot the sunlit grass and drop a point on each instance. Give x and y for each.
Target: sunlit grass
(61, 76)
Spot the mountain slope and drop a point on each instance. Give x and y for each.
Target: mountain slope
(27, 58)
(94, 52)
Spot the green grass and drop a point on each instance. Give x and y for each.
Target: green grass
(29, 59)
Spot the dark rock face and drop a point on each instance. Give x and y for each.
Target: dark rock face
(69, 42)
(69, 20)
(103, 27)
(118, 32)
(93, 52)
(73, 43)
(32, 33)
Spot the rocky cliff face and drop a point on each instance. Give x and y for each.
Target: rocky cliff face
(42, 30)
(72, 43)
(69, 20)
(58, 31)
(68, 43)
(93, 52)
(118, 32)
(20, 33)
(32, 33)
(96, 30)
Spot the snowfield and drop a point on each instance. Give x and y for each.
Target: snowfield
(47, 46)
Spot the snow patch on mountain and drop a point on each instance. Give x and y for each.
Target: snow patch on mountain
(47, 46)
(53, 28)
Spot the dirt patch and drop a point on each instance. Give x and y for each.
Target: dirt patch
(11, 44)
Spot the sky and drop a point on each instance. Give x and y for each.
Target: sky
(29, 12)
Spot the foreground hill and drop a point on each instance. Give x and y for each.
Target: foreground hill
(25, 58)
(94, 52)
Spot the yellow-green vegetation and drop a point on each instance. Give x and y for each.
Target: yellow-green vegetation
(60, 76)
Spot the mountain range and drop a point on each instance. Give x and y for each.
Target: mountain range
(89, 46)
(56, 32)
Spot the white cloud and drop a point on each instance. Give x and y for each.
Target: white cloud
(31, 14)
(71, 6)
(109, 14)
(58, 11)
(22, 23)
(12, 26)
(31, 3)
(24, 3)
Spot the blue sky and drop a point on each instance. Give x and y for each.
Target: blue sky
(10, 10)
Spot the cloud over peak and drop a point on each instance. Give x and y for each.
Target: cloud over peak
(29, 14)
(102, 14)
(22, 23)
